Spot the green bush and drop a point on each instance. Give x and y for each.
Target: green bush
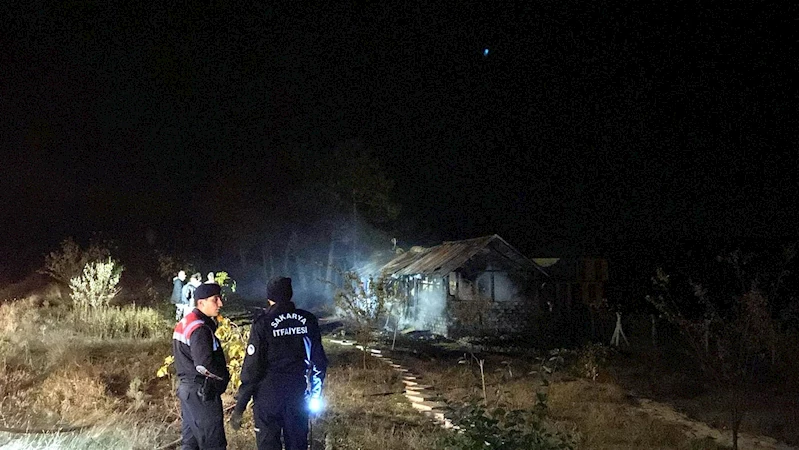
(96, 286)
(234, 340)
(503, 430)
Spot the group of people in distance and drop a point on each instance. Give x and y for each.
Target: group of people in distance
(283, 370)
(183, 292)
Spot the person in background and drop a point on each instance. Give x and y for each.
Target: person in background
(177, 293)
(283, 371)
(211, 278)
(202, 372)
(187, 297)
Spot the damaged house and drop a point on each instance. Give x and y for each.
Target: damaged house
(577, 297)
(479, 286)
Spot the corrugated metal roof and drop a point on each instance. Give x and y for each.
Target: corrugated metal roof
(448, 256)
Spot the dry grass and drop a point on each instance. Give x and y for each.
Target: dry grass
(128, 321)
(461, 379)
(52, 376)
(112, 433)
(54, 372)
(78, 378)
(35, 319)
(366, 410)
(597, 415)
(606, 420)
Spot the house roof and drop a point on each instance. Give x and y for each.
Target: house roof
(451, 255)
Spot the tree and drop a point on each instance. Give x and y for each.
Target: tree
(363, 303)
(354, 176)
(397, 301)
(69, 261)
(723, 312)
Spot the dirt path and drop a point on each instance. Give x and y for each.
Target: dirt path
(696, 429)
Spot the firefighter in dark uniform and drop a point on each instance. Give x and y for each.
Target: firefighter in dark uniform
(202, 371)
(283, 370)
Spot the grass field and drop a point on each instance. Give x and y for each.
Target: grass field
(56, 371)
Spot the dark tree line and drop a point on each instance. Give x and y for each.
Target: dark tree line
(329, 211)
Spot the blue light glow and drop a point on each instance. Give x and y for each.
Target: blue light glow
(485, 52)
(315, 405)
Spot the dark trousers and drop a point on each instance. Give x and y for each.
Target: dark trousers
(280, 409)
(203, 425)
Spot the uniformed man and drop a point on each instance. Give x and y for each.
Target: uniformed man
(202, 371)
(283, 371)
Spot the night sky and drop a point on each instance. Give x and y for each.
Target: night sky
(586, 123)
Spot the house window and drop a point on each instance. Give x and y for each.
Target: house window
(467, 290)
(453, 284)
(485, 285)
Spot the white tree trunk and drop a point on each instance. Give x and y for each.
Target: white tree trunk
(618, 333)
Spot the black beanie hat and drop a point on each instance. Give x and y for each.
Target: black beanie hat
(207, 290)
(279, 290)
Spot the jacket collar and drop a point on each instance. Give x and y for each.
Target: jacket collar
(211, 322)
(283, 307)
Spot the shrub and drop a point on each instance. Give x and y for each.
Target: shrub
(227, 284)
(96, 286)
(503, 430)
(727, 322)
(68, 262)
(506, 428)
(150, 294)
(168, 266)
(234, 342)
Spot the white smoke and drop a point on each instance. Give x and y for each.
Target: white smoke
(504, 289)
(427, 305)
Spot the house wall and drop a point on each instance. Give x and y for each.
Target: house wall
(454, 306)
(491, 304)
(490, 318)
(578, 281)
(495, 286)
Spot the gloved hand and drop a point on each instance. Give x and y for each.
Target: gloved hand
(235, 420)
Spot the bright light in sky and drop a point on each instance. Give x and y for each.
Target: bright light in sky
(485, 52)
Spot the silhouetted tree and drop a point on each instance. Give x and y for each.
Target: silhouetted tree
(722, 308)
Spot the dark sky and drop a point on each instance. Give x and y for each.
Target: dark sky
(587, 122)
